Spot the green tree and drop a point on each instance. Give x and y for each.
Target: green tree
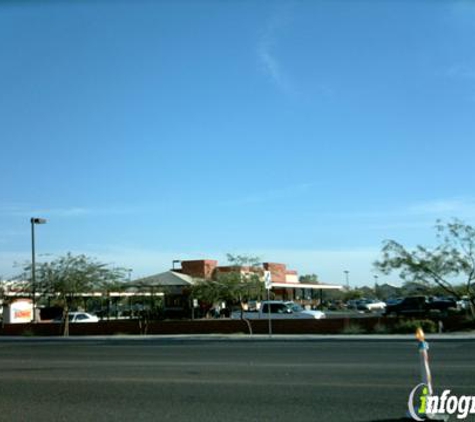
(66, 277)
(309, 278)
(451, 261)
(352, 295)
(243, 282)
(243, 260)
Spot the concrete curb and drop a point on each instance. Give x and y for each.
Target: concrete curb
(243, 338)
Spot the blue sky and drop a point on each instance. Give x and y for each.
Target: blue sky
(304, 132)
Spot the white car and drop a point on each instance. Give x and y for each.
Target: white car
(298, 309)
(79, 317)
(279, 310)
(371, 305)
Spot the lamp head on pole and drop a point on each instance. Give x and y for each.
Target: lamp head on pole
(36, 220)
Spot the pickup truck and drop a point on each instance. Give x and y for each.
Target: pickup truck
(279, 310)
(419, 306)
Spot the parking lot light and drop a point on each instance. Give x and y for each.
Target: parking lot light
(34, 221)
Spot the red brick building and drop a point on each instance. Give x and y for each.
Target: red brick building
(208, 268)
(285, 283)
(176, 284)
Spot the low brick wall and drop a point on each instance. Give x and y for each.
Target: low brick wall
(216, 326)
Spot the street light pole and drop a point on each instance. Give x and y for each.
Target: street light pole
(268, 285)
(34, 221)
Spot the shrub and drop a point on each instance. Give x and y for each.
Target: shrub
(28, 332)
(410, 326)
(466, 324)
(353, 328)
(381, 329)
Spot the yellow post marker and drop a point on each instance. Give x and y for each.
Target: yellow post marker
(424, 357)
(420, 334)
(420, 413)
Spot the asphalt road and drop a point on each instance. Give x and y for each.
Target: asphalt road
(169, 380)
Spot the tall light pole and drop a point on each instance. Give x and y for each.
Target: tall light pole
(33, 222)
(347, 273)
(268, 284)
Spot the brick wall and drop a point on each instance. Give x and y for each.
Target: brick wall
(278, 271)
(215, 326)
(203, 268)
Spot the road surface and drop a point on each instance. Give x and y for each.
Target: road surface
(205, 381)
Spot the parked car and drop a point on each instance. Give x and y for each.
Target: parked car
(366, 305)
(337, 305)
(464, 303)
(278, 309)
(442, 303)
(394, 300)
(296, 308)
(353, 303)
(419, 306)
(79, 317)
(370, 305)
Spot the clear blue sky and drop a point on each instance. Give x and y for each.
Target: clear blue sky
(304, 132)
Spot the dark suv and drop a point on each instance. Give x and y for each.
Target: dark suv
(419, 305)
